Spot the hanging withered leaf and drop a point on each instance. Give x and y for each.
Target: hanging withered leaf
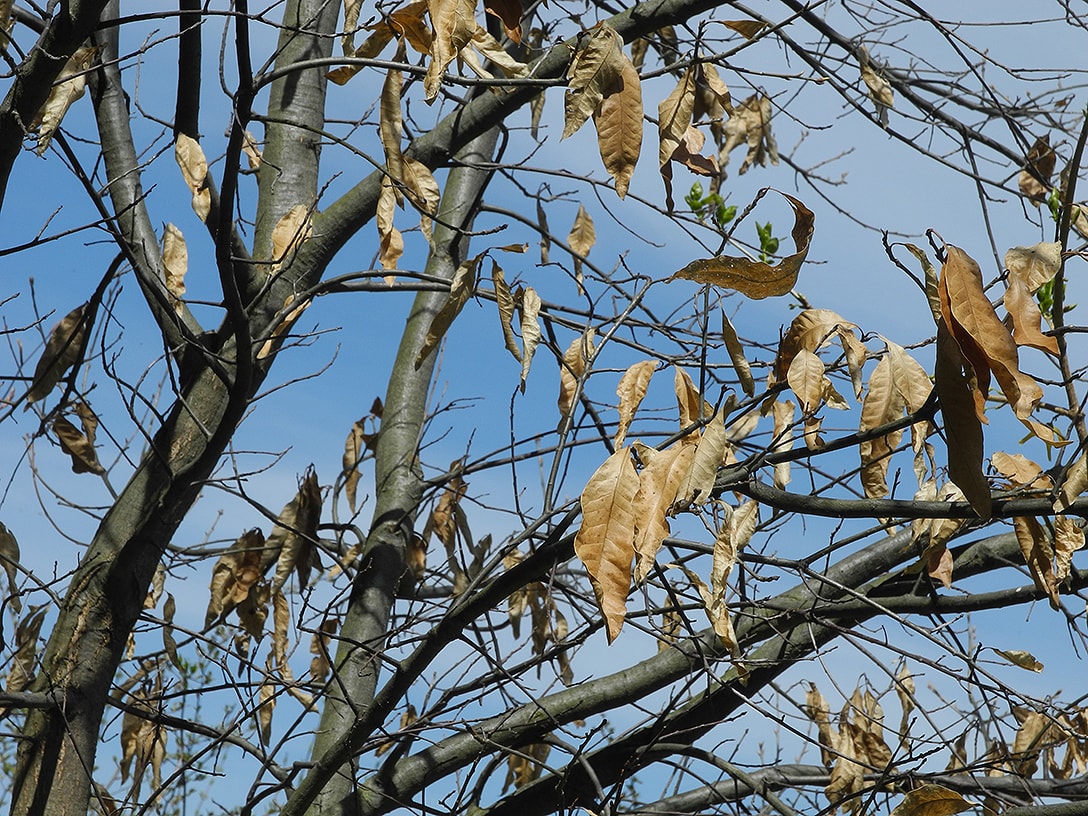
(749, 29)
(736, 355)
(251, 150)
(175, 263)
(509, 12)
(674, 114)
(783, 439)
(23, 665)
(529, 305)
(709, 450)
(716, 612)
(1030, 268)
(595, 71)
(631, 389)
(236, 573)
(461, 288)
(491, 50)
(618, 120)
(932, 800)
(391, 243)
(293, 229)
(169, 644)
(454, 23)
(9, 560)
(1073, 485)
(662, 475)
(572, 368)
(79, 445)
(266, 697)
(581, 239)
(750, 124)
(69, 86)
(1034, 179)
(62, 351)
(194, 169)
(880, 90)
(320, 647)
(1018, 657)
(1038, 552)
(290, 312)
(605, 541)
(756, 279)
(292, 542)
(505, 303)
(1068, 538)
(390, 125)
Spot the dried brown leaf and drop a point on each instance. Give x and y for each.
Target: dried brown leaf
(882, 404)
(78, 446)
(62, 351)
(509, 11)
(931, 800)
(391, 243)
(504, 301)
(1068, 538)
(749, 29)
(756, 279)
(750, 124)
(292, 230)
(709, 451)
(674, 114)
(1034, 179)
(292, 543)
(1073, 486)
(631, 390)
(663, 473)
(783, 439)
(594, 72)
(880, 90)
(9, 560)
(1034, 265)
(736, 355)
(454, 23)
(605, 541)
(1027, 319)
(530, 330)
(194, 169)
(461, 288)
(175, 263)
(1020, 471)
(69, 86)
(618, 120)
(571, 370)
(1025, 660)
(580, 239)
(1038, 552)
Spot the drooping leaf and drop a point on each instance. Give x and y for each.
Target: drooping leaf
(319, 648)
(581, 239)
(756, 279)
(1038, 552)
(880, 90)
(931, 800)
(290, 312)
(674, 114)
(69, 86)
(1073, 486)
(509, 11)
(1020, 471)
(618, 120)
(1068, 538)
(22, 668)
(717, 612)
(736, 355)
(663, 473)
(882, 404)
(169, 644)
(749, 29)
(391, 243)
(1018, 657)
(1034, 179)
(811, 330)
(605, 541)
(750, 124)
(504, 301)
(933, 297)
(175, 263)
(572, 368)
(351, 22)
(709, 451)
(631, 389)
(9, 560)
(292, 540)
(963, 430)
(1034, 265)
(783, 439)
(493, 51)
(806, 378)
(454, 23)
(595, 71)
(390, 125)
(461, 288)
(194, 169)
(79, 445)
(529, 306)
(293, 229)
(62, 351)
(691, 407)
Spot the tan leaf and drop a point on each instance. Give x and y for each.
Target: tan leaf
(806, 379)
(530, 330)
(290, 232)
(281, 622)
(963, 430)
(415, 556)
(904, 689)
(461, 289)
(423, 192)
(692, 408)
(526, 765)
(931, 800)
(674, 114)
(605, 541)
(1038, 554)
(509, 11)
(1034, 265)
(175, 263)
(631, 390)
(1034, 179)
(1025, 660)
(817, 709)
(355, 449)
(709, 451)
(811, 330)
(351, 22)
(909, 379)
(882, 404)
(689, 154)
(736, 355)
(594, 72)
(194, 169)
(319, 648)
(504, 301)
(1073, 486)
(493, 51)
(618, 120)
(749, 29)
(68, 87)
(1027, 319)
(390, 125)
(391, 243)
(252, 150)
(663, 472)
(1068, 538)
(234, 576)
(1020, 471)
(279, 331)
(932, 296)
(750, 124)
(169, 645)
(407, 22)
(78, 446)
(880, 91)
(756, 279)
(939, 565)
(23, 666)
(62, 351)
(266, 705)
(9, 560)
(581, 239)
(292, 542)
(981, 336)
(454, 24)
(783, 439)
(571, 370)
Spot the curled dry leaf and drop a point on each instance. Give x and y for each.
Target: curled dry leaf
(23, 666)
(175, 263)
(749, 29)
(320, 644)
(194, 169)
(932, 800)
(1020, 471)
(493, 51)
(234, 576)
(806, 378)
(631, 390)
(756, 279)
(736, 355)
(390, 125)
(1034, 265)
(812, 330)
(69, 86)
(1025, 660)
(1034, 179)
(454, 23)
(529, 306)
(750, 124)
(292, 543)
(605, 541)
(618, 120)
(663, 473)
(1038, 552)
(169, 608)
(882, 404)
(391, 243)
(595, 71)
(79, 445)
(674, 114)
(709, 451)
(62, 351)
(252, 150)
(461, 288)
(1073, 485)
(880, 90)
(580, 239)
(572, 369)
(1068, 538)
(504, 301)
(692, 408)
(423, 192)
(9, 560)
(290, 233)
(716, 612)
(509, 12)
(783, 439)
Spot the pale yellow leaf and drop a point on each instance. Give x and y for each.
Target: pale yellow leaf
(605, 541)
(1068, 538)
(290, 232)
(291, 313)
(663, 472)
(175, 263)
(783, 439)
(252, 151)
(883, 403)
(194, 169)
(1073, 486)
(594, 72)
(631, 390)
(390, 125)
(571, 370)
(806, 378)
(68, 87)
(736, 355)
(691, 406)
(1025, 660)
(530, 330)
(756, 279)
(423, 192)
(618, 120)
(1034, 265)
(880, 90)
